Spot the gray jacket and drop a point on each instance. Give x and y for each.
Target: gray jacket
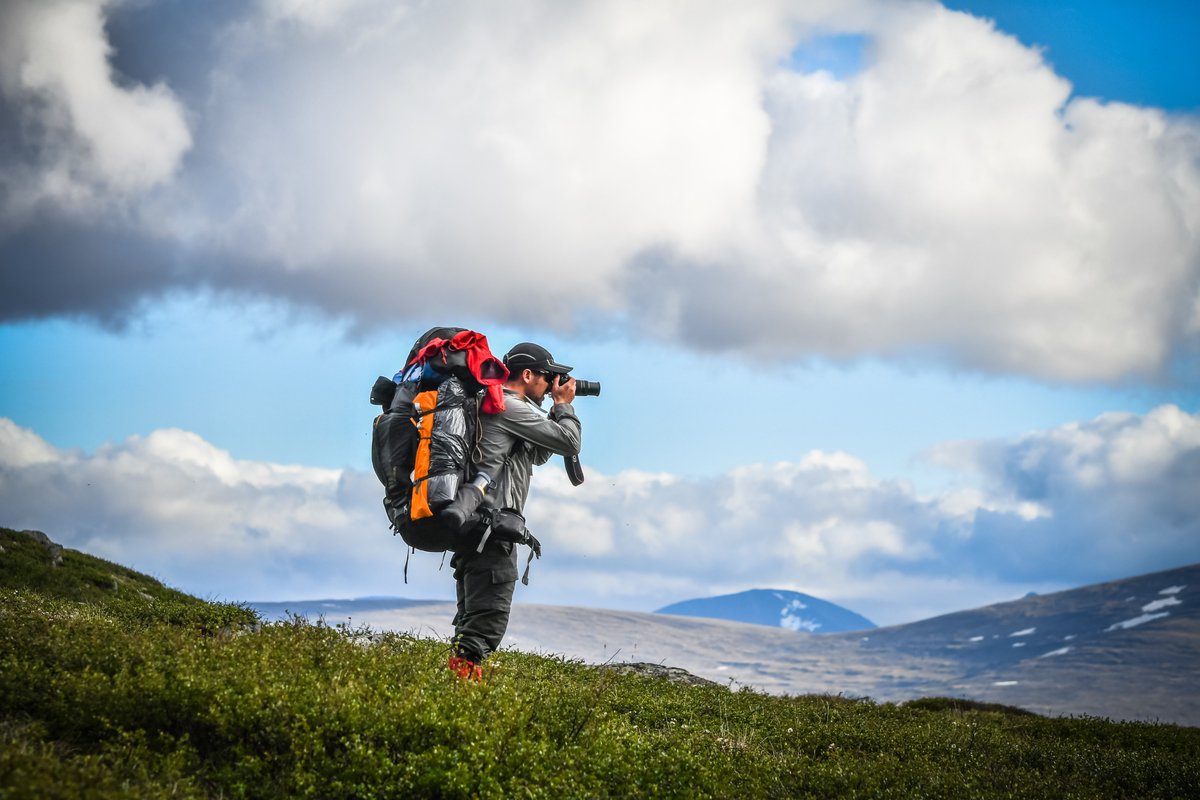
(523, 437)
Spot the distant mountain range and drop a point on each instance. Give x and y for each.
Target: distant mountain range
(1126, 649)
(777, 608)
(333, 610)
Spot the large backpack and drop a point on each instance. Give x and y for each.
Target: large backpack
(422, 443)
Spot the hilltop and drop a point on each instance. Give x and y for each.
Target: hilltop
(31, 561)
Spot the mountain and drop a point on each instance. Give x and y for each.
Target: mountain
(1125, 649)
(774, 607)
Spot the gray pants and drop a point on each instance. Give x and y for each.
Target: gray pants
(484, 584)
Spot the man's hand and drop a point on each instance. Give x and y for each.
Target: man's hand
(563, 390)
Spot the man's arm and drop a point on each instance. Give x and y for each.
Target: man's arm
(561, 433)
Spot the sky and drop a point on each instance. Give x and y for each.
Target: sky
(893, 303)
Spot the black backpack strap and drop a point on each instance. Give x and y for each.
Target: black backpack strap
(487, 533)
(535, 549)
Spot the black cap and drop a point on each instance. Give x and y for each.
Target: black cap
(528, 355)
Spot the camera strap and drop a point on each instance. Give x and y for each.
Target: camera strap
(571, 462)
(574, 468)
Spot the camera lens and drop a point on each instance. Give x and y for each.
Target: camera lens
(587, 388)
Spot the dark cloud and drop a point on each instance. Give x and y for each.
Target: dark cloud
(174, 42)
(56, 268)
(1112, 496)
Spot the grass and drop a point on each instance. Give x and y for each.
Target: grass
(116, 695)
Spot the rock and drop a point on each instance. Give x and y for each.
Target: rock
(672, 674)
(55, 550)
(39, 537)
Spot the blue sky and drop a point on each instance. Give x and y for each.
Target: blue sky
(893, 267)
(269, 385)
(1139, 54)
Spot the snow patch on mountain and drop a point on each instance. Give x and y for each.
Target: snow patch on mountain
(1062, 651)
(1125, 624)
(1158, 605)
(788, 618)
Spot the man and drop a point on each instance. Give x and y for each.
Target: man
(510, 444)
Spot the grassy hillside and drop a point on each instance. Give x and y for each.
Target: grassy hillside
(56, 572)
(115, 695)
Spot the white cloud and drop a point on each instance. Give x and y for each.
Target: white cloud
(630, 161)
(23, 448)
(951, 199)
(176, 506)
(91, 135)
(1056, 508)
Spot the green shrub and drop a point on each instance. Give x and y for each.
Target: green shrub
(963, 706)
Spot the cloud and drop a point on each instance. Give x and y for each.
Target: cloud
(627, 163)
(1083, 503)
(175, 506)
(315, 14)
(953, 199)
(1116, 491)
(88, 137)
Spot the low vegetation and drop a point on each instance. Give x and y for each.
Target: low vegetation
(138, 691)
(34, 563)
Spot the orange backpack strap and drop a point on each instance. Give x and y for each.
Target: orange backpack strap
(422, 418)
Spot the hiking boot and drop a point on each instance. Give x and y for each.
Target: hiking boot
(465, 669)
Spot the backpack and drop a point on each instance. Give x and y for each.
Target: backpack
(422, 444)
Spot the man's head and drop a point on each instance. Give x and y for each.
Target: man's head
(532, 370)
